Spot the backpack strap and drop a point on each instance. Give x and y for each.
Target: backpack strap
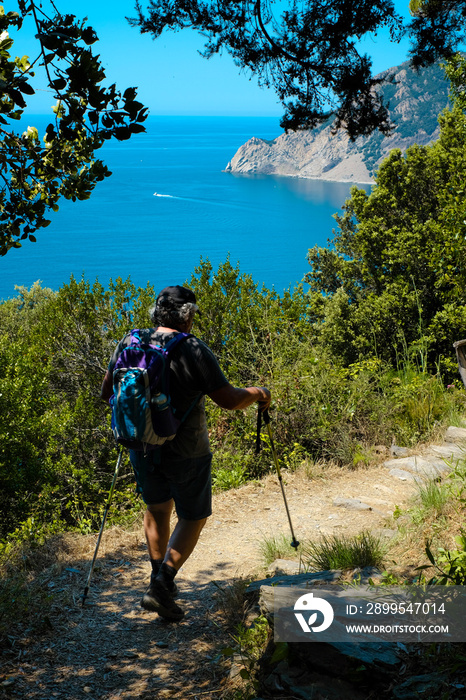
(194, 403)
(169, 348)
(135, 337)
(173, 342)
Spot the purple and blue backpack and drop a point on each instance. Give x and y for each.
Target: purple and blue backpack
(142, 416)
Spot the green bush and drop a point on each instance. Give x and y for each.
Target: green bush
(450, 564)
(229, 470)
(56, 449)
(394, 275)
(57, 452)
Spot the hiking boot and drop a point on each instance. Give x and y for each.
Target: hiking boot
(169, 585)
(160, 600)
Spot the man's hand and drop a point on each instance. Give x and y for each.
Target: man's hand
(264, 403)
(233, 398)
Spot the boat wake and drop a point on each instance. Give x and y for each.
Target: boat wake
(197, 200)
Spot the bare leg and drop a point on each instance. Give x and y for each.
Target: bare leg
(173, 550)
(182, 542)
(176, 549)
(157, 528)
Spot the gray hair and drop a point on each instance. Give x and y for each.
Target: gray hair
(172, 315)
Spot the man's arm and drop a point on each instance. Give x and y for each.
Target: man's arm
(233, 398)
(107, 386)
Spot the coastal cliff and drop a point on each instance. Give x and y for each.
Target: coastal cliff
(415, 98)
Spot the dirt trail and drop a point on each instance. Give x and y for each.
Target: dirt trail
(113, 649)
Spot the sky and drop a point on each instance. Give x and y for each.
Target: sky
(171, 77)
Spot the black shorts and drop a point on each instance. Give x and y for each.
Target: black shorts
(187, 481)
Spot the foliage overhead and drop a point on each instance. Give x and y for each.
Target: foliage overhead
(437, 29)
(308, 50)
(34, 175)
(308, 53)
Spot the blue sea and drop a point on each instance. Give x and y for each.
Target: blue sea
(168, 203)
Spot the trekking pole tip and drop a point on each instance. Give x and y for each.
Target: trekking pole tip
(295, 543)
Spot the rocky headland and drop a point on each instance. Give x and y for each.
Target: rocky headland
(415, 99)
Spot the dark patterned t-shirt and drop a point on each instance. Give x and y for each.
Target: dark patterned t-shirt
(194, 372)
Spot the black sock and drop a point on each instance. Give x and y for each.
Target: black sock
(156, 564)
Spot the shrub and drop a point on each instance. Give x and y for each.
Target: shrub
(56, 447)
(344, 552)
(229, 470)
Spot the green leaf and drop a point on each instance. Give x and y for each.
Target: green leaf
(58, 84)
(89, 36)
(129, 93)
(429, 554)
(17, 97)
(26, 88)
(280, 652)
(137, 128)
(122, 133)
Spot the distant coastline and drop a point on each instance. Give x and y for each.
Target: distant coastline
(415, 100)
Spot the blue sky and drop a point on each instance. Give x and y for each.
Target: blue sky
(171, 77)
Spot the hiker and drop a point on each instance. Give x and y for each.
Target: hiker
(178, 473)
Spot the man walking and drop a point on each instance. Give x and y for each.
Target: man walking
(178, 474)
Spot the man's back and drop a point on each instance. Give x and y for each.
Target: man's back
(194, 372)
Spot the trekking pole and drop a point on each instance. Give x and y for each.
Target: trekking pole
(109, 500)
(265, 414)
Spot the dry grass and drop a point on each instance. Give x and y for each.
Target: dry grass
(233, 606)
(318, 469)
(38, 580)
(438, 524)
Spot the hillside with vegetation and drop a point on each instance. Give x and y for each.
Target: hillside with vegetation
(360, 355)
(414, 98)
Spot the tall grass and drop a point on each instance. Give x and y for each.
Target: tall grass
(345, 553)
(276, 547)
(433, 497)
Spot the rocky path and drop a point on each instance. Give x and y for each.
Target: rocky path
(113, 649)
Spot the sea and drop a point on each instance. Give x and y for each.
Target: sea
(169, 203)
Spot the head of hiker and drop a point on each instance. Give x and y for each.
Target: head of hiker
(174, 472)
(175, 308)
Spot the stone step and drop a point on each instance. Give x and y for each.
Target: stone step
(455, 434)
(448, 451)
(422, 467)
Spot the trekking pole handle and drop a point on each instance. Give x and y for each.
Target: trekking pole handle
(261, 415)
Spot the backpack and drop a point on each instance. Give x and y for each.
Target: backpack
(142, 416)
